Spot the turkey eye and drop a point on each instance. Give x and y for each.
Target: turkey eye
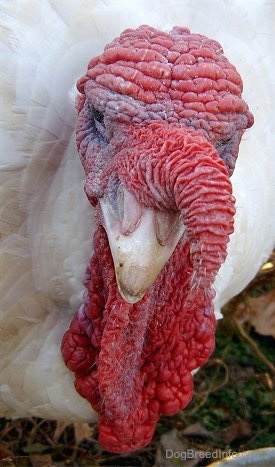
(98, 116)
(222, 143)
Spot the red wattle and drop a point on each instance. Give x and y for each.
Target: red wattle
(134, 362)
(130, 390)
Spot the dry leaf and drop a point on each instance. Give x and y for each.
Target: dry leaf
(238, 430)
(60, 427)
(175, 451)
(197, 429)
(42, 460)
(82, 431)
(7, 462)
(242, 374)
(15, 461)
(259, 312)
(262, 311)
(5, 452)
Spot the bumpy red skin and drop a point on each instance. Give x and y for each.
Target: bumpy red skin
(134, 362)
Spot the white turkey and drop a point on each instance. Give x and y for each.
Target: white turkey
(160, 113)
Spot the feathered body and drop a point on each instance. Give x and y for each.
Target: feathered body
(46, 222)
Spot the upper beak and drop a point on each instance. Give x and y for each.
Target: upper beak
(141, 242)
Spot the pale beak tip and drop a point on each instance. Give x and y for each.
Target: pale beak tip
(130, 297)
(131, 282)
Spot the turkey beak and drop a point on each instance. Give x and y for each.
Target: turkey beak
(141, 242)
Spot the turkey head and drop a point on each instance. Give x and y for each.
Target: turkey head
(160, 118)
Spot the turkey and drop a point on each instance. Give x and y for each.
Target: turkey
(108, 299)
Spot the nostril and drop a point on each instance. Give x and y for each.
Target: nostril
(167, 222)
(130, 211)
(97, 115)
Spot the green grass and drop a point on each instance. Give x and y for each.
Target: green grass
(246, 395)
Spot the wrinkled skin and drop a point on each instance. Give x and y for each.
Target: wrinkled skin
(160, 121)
